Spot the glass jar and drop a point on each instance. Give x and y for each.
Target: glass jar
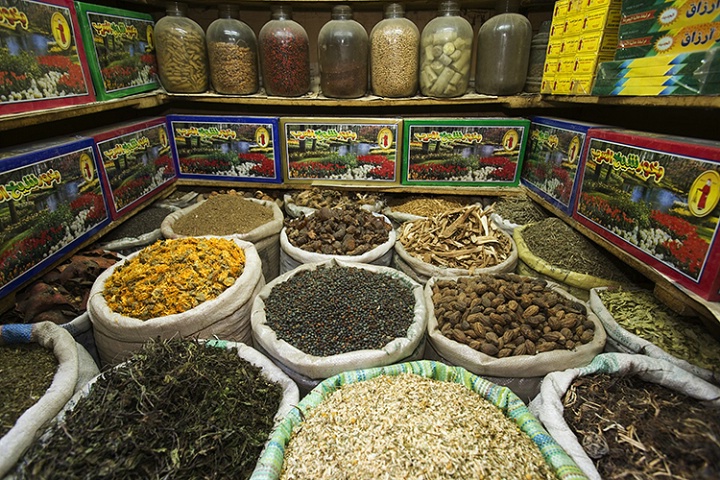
(503, 50)
(343, 55)
(394, 44)
(446, 53)
(536, 62)
(232, 50)
(180, 50)
(284, 55)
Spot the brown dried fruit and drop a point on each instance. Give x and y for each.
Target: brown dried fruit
(520, 350)
(489, 349)
(530, 311)
(459, 335)
(530, 347)
(505, 352)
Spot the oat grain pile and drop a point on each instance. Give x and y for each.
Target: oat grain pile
(409, 426)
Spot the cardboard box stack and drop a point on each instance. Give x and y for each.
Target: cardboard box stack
(583, 33)
(664, 48)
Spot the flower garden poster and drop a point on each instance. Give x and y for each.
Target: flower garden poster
(664, 204)
(45, 207)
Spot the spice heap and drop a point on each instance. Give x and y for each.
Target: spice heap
(561, 246)
(464, 238)
(176, 409)
(26, 372)
(338, 231)
(61, 294)
(173, 276)
(333, 309)
(636, 429)
(426, 206)
(223, 214)
(145, 221)
(640, 313)
(507, 315)
(409, 426)
(519, 210)
(318, 198)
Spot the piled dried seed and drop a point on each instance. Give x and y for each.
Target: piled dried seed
(332, 310)
(318, 198)
(223, 214)
(233, 68)
(409, 426)
(426, 206)
(338, 231)
(519, 210)
(182, 60)
(173, 276)
(464, 238)
(640, 313)
(507, 315)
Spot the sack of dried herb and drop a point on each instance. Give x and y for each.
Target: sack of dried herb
(459, 242)
(222, 214)
(181, 409)
(416, 208)
(75, 368)
(350, 234)
(623, 438)
(636, 322)
(510, 326)
(199, 287)
(307, 202)
(324, 318)
(412, 420)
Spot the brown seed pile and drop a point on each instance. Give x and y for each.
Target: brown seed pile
(319, 197)
(338, 231)
(223, 214)
(182, 61)
(409, 426)
(464, 238)
(394, 59)
(173, 276)
(426, 206)
(507, 315)
(233, 68)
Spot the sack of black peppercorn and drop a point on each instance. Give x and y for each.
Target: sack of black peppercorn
(75, 367)
(178, 287)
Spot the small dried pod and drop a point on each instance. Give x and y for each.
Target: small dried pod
(459, 335)
(489, 349)
(474, 344)
(479, 330)
(513, 305)
(505, 352)
(566, 332)
(535, 320)
(530, 347)
(530, 311)
(587, 336)
(492, 338)
(546, 346)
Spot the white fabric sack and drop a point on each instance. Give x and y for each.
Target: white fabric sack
(226, 317)
(625, 341)
(294, 210)
(519, 366)
(266, 237)
(323, 367)
(505, 225)
(75, 369)
(400, 217)
(421, 271)
(292, 257)
(548, 407)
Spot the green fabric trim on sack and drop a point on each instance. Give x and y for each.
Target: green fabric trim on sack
(269, 466)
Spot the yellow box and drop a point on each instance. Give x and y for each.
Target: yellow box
(596, 4)
(561, 85)
(570, 45)
(598, 42)
(587, 64)
(566, 65)
(601, 19)
(561, 9)
(552, 64)
(546, 84)
(554, 47)
(574, 24)
(582, 85)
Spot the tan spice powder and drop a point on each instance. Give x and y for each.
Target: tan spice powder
(173, 276)
(223, 214)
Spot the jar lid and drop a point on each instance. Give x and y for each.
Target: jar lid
(341, 12)
(281, 12)
(393, 10)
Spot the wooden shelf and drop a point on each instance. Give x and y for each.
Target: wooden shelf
(19, 120)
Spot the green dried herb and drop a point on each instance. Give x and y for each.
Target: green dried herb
(176, 410)
(519, 210)
(640, 313)
(26, 372)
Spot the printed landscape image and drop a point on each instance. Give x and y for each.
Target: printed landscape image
(137, 164)
(458, 154)
(650, 207)
(44, 207)
(35, 64)
(225, 149)
(341, 152)
(551, 161)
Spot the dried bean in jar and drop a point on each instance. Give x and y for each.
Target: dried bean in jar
(394, 44)
(232, 48)
(333, 310)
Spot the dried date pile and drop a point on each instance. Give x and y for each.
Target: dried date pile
(409, 426)
(636, 429)
(338, 231)
(463, 238)
(507, 315)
